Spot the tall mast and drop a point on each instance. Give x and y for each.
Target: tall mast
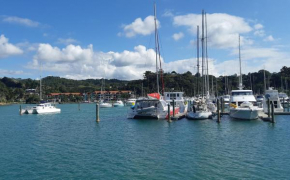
(156, 48)
(197, 54)
(207, 75)
(202, 55)
(240, 79)
(40, 83)
(197, 45)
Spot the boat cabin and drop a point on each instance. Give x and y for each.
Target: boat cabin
(173, 96)
(240, 96)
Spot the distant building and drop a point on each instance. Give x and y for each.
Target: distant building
(110, 95)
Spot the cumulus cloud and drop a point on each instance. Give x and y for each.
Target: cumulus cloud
(5, 72)
(177, 36)
(8, 49)
(140, 27)
(80, 63)
(223, 29)
(66, 41)
(168, 13)
(269, 38)
(258, 26)
(20, 21)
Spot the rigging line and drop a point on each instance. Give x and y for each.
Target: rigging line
(161, 70)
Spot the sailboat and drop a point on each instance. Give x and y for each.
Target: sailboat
(41, 108)
(242, 101)
(204, 107)
(154, 106)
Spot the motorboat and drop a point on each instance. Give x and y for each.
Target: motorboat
(118, 104)
(226, 99)
(283, 97)
(105, 104)
(180, 105)
(273, 97)
(130, 102)
(243, 101)
(260, 98)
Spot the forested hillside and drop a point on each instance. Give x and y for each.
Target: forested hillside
(13, 90)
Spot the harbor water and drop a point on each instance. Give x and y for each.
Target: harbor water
(72, 145)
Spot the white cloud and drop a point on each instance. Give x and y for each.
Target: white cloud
(141, 27)
(66, 41)
(6, 72)
(223, 29)
(260, 33)
(80, 63)
(21, 21)
(258, 26)
(8, 49)
(168, 13)
(269, 38)
(178, 36)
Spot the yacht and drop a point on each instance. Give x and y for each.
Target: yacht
(226, 99)
(180, 105)
(105, 104)
(273, 97)
(118, 104)
(41, 109)
(199, 111)
(242, 105)
(152, 107)
(283, 97)
(131, 102)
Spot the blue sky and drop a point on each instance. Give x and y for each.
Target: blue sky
(114, 39)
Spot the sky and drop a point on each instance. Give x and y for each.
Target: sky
(115, 38)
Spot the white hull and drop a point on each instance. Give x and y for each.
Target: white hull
(106, 105)
(42, 111)
(200, 115)
(153, 114)
(244, 113)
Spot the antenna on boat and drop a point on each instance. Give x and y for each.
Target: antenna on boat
(240, 79)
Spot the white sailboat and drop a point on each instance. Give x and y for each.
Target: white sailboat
(204, 107)
(242, 101)
(154, 106)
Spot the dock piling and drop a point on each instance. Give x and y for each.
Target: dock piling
(218, 111)
(288, 105)
(20, 112)
(268, 105)
(169, 119)
(173, 108)
(222, 105)
(272, 113)
(79, 106)
(97, 113)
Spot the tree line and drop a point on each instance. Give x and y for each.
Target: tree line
(13, 89)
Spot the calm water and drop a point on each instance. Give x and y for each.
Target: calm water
(71, 145)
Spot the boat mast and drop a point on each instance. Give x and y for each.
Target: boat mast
(202, 55)
(156, 48)
(206, 55)
(240, 79)
(197, 54)
(40, 83)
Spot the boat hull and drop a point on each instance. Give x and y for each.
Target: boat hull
(200, 115)
(244, 113)
(43, 111)
(106, 105)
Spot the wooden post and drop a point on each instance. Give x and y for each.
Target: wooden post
(288, 105)
(272, 109)
(173, 108)
(283, 105)
(223, 105)
(218, 111)
(169, 119)
(20, 110)
(268, 105)
(97, 113)
(79, 106)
